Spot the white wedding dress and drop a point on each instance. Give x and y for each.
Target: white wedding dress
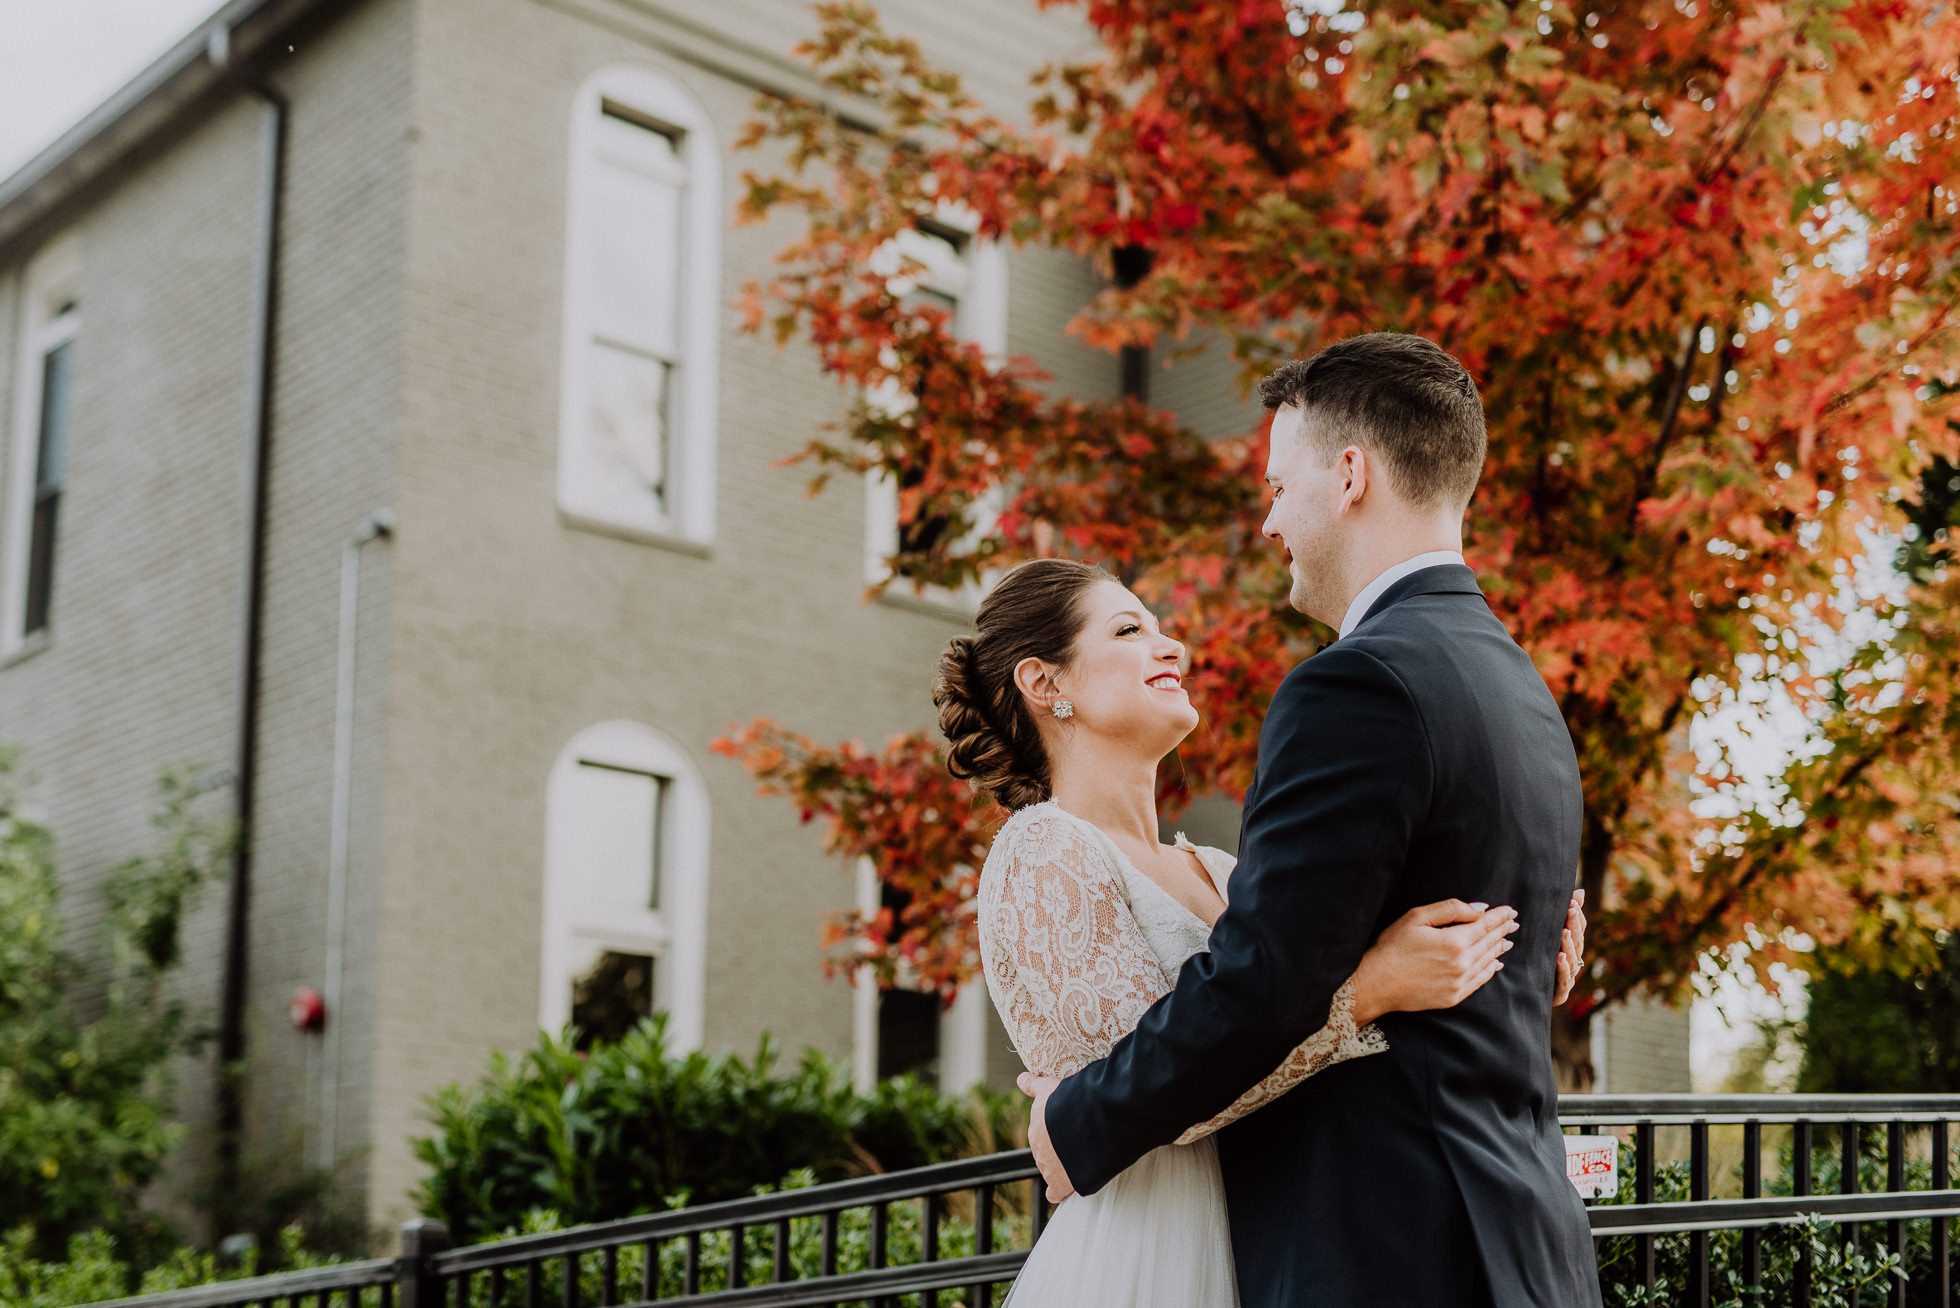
(1076, 944)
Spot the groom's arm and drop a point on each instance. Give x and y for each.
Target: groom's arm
(1344, 777)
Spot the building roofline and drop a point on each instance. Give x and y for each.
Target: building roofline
(241, 29)
(145, 105)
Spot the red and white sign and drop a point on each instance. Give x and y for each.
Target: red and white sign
(1592, 1163)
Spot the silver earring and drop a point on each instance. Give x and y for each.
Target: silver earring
(1063, 709)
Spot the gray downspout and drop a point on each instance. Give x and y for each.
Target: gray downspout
(255, 477)
(379, 526)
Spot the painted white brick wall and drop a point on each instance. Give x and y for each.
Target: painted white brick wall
(419, 351)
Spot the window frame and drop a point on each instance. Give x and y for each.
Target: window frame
(49, 318)
(655, 101)
(980, 317)
(675, 935)
(963, 1028)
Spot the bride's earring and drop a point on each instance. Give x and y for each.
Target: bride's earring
(1063, 709)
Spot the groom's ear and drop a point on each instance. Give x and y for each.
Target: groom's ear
(1353, 465)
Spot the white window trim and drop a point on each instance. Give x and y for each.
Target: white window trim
(677, 933)
(982, 320)
(963, 1039)
(48, 282)
(864, 994)
(962, 1028)
(689, 519)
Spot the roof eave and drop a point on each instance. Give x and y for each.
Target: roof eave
(144, 106)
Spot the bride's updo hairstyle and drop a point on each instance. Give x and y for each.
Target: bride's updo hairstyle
(1034, 612)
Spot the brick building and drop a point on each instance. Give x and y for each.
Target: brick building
(447, 522)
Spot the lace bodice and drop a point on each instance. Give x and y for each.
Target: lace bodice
(1077, 944)
(1173, 932)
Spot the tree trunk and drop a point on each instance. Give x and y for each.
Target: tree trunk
(1572, 1052)
(1571, 1035)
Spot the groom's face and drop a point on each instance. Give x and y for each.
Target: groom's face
(1305, 515)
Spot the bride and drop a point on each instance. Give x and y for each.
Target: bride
(1061, 705)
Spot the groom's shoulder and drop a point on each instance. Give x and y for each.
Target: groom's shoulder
(1344, 697)
(1342, 667)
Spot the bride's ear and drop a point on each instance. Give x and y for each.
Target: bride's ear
(1036, 682)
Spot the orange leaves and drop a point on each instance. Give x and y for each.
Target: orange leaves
(924, 833)
(1700, 259)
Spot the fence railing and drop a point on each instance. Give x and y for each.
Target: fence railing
(959, 1232)
(1870, 1165)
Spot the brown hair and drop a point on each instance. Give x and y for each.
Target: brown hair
(1035, 612)
(1401, 396)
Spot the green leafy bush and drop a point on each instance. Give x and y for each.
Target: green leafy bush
(904, 1243)
(619, 1128)
(95, 1269)
(1878, 1031)
(1838, 1270)
(85, 1052)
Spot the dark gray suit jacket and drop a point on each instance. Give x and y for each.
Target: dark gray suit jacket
(1420, 758)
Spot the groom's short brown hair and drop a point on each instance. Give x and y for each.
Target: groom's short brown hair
(1400, 396)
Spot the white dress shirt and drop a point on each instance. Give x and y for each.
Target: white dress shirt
(1373, 590)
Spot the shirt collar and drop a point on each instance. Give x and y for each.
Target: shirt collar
(1373, 590)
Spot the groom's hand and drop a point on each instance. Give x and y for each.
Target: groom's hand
(1045, 1157)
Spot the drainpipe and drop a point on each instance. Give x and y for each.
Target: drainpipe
(254, 476)
(378, 526)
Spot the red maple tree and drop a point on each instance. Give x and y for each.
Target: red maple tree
(1703, 258)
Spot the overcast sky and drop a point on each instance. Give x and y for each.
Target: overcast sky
(60, 58)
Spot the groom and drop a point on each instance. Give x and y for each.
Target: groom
(1419, 758)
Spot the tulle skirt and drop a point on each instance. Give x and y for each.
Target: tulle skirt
(1155, 1237)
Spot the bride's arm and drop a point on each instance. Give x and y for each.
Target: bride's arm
(1067, 966)
(1338, 1041)
(1432, 957)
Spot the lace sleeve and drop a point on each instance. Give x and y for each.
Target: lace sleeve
(1334, 1043)
(1068, 968)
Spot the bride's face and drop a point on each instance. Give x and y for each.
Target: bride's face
(1125, 677)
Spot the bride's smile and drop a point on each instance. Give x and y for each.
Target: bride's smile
(1124, 680)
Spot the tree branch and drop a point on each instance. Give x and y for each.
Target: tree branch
(1753, 868)
(1670, 417)
(1845, 397)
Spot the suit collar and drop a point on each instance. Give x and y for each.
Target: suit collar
(1443, 579)
(1375, 589)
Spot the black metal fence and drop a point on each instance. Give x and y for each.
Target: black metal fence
(1872, 1166)
(958, 1232)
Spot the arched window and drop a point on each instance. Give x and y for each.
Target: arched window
(636, 426)
(625, 886)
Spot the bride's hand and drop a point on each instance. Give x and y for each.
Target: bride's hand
(1571, 948)
(1432, 957)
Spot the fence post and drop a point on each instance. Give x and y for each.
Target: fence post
(419, 1284)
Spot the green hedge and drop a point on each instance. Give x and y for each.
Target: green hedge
(629, 1128)
(904, 1243)
(86, 1047)
(93, 1271)
(1869, 1269)
(96, 1268)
